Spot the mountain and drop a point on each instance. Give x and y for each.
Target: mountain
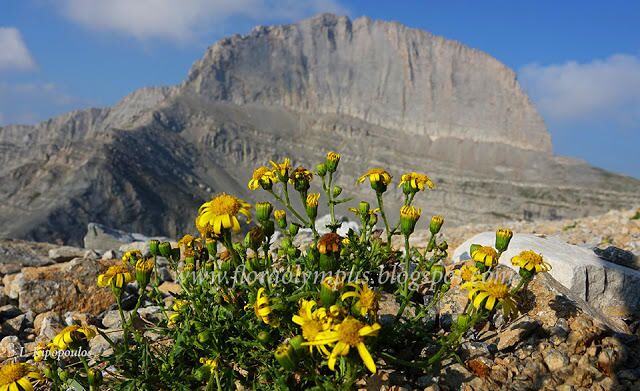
(380, 93)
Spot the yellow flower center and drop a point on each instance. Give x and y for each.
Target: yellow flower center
(466, 273)
(225, 204)
(368, 299)
(260, 172)
(496, 289)
(531, 257)
(486, 251)
(114, 270)
(348, 332)
(310, 329)
(11, 373)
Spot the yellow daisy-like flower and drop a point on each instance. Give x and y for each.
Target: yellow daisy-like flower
(415, 181)
(210, 363)
(135, 254)
(367, 299)
(485, 254)
(18, 377)
(221, 213)
(73, 335)
(487, 293)
(468, 273)
(264, 177)
(348, 334)
(262, 308)
(530, 260)
(281, 169)
(300, 179)
(332, 161)
(189, 241)
(376, 175)
(312, 200)
(116, 276)
(312, 321)
(409, 216)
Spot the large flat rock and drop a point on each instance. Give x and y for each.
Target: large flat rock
(609, 287)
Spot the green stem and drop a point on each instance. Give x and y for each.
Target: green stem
(288, 206)
(405, 289)
(123, 321)
(329, 192)
(384, 218)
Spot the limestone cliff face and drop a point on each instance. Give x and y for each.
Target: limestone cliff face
(379, 93)
(383, 73)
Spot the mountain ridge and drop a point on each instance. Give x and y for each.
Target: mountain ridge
(146, 163)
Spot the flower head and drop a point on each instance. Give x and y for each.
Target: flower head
(485, 255)
(366, 299)
(282, 169)
(346, 335)
(144, 268)
(332, 161)
(313, 321)
(530, 260)
(312, 205)
(378, 178)
(18, 376)
(485, 294)
(281, 218)
(262, 307)
(72, 336)
(262, 177)
(468, 273)
(367, 215)
(329, 243)
(116, 276)
(436, 224)
(503, 237)
(413, 182)
(132, 256)
(210, 363)
(263, 211)
(221, 213)
(301, 178)
(409, 216)
(188, 241)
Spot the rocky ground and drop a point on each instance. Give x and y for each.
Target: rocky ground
(558, 342)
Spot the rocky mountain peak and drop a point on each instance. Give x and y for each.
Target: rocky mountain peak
(384, 73)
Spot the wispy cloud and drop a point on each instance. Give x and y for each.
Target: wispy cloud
(14, 54)
(185, 19)
(28, 103)
(603, 89)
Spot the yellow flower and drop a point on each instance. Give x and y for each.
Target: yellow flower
(188, 241)
(279, 214)
(178, 305)
(312, 321)
(348, 334)
(332, 161)
(264, 177)
(329, 243)
(367, 300)
(487, 293)
(409, 216)
(486, 255)
(370, 217)
(282, 169)
(412, 182)
(503, 237)
(300, 178)
(334, 283)
(18, 377)
(221, 213)
(209, 363)
(435, 224)
(135, 254)
(312, 200)
(262, 308)
(39, 351)
(73, 335)
(116, 276)
(378, 178)
(468, 273)
(144, 267)
(530, 260)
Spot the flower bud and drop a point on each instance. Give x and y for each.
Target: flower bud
(436, 224)
(153, 247)
(285, 355)
(264, 337)
(204, 336)
(263, 211)
(364, 208)
(321, 169)
(281, 218)
(268, 228)
(463, 321)
(437, 274)
(312, 205)
(94, 378)
(296, 342)
(144, 269)
(332, 161)
(337, 190)
(254, 238)
(293, 229)
(503, 237)
(409, 216)
(63, 374)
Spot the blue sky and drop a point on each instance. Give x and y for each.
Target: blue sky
(579, 60)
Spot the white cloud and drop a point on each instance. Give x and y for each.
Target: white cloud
(607, 89)
(13, 51)
(182, 20)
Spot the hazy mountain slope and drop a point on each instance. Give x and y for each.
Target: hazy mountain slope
(380, 93)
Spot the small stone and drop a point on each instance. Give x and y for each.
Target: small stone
(151, 314)
(91, 254)
(555, 360)
(9, 347)
(9, 311)
(169, 287)
(47, 325)
(111, 320)
(110, 254)
(100, 346)
(65, 253)
(14, 326)
(516, 333)
(165, 274)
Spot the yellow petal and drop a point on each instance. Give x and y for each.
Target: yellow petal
(366, 357)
